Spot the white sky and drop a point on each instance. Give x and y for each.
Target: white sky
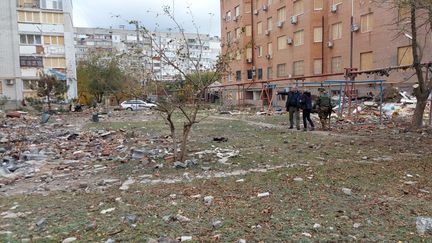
(101, 13)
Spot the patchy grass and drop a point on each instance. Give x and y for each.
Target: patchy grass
(388, 173)
(381, 204)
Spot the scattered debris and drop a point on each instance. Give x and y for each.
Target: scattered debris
(185, 238)
(217, 224)
(424, 225)
(126, 184)
(70, 239)
(347, 191)
(109, 210)
(220, 139)
(264, 194)
(208, 200)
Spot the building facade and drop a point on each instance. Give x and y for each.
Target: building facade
(123, 41)
(36, 38)
(277, 40)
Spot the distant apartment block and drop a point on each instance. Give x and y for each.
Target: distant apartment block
(281, 39)
(125, 41)
(36, 37)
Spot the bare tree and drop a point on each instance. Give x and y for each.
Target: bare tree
(415, 21)
(185, 95)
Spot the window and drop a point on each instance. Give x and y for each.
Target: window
(298, 7)
(318, 34)
(366, 60)
(249, 74)
(247, 7)
(229, 77)
(258, 4)
(28, 3)
(405, 55)
(238, 55)
(269, 73)
(228, 16)
(299, 38)
(298, 68)
(30, 84)
(336, 2)
(259, 28)
(281, 72)
(269, 23)
(238, 75)
(237, 11)
(281, 14)
(282, 42)
(404, 14)
(33, 17)
(229, 36)
(249, 53)
(52, 4)
(52, 18)
(260, 51)
(248, 30)
(55, 62)
(317, 64)
(336, 64)
(337, 31)
(53, 40)
(31, 61)
(237, 33)
(260, 74)
(270, 49)
(318, 4)
(30, 39)
(366, 23)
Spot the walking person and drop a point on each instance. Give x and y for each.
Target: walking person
(306, 105)
(293, 107)
(324, 107)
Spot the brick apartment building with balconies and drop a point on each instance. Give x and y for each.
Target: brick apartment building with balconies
(285, 39)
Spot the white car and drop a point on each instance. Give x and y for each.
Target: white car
(136, 105)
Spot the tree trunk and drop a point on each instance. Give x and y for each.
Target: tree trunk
(49, 103)
(173, 135)
(186, 129)
(422, 100)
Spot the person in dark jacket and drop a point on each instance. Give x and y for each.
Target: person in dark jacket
(306, 105)
(293, 107)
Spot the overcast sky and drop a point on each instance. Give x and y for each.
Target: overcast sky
(101, 13)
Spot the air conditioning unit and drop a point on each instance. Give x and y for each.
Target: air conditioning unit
(268, 56)
(280, 24)
(235, 18)
(334, 8)
(289, 41)
(10, 82)
(264, 7)
(355, 28)
(249, 60)
(294, 19)
(256, 11)
(330, 44)
(267, 32)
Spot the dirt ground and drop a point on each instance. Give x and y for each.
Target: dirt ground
(115, 181)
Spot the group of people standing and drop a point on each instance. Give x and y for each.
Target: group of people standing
(302, 101)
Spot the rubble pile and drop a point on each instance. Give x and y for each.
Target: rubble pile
(28, 147)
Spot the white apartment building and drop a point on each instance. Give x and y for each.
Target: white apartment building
(36, 37)
(123, 41)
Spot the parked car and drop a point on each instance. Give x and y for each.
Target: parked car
(136, 105)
